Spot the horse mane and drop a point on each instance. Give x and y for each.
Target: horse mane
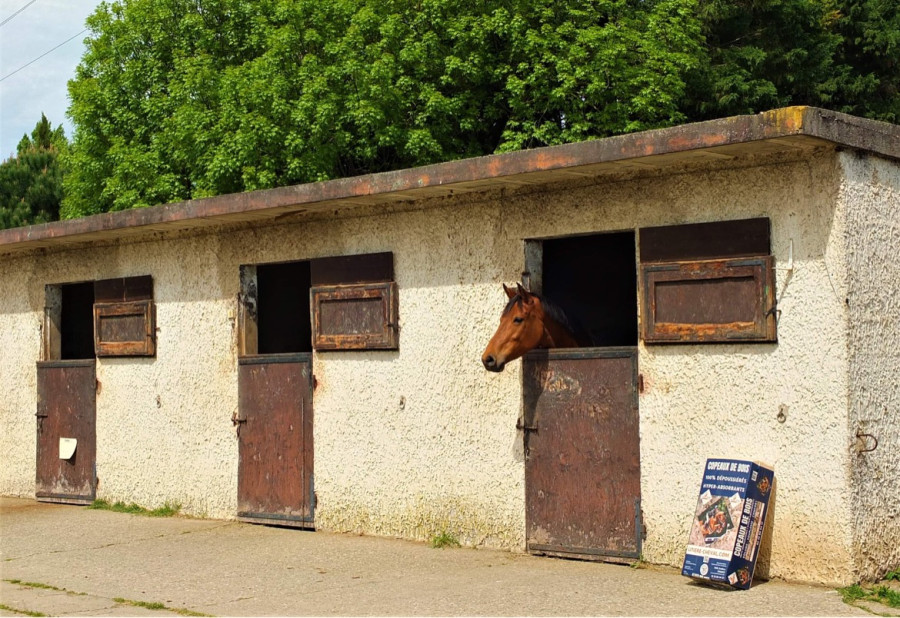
(558, 315)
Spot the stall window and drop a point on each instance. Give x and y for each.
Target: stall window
(354, 303)
(334, 303)
(124, 317)
(707, 283)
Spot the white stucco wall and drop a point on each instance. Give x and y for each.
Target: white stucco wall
(20, 328)
(870, 195)
(422, 440)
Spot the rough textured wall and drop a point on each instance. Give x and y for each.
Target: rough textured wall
(423, 440)
(20, 337)
(163, 424)
(870, 195)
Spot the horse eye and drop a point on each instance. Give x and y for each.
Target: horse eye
(518, 320)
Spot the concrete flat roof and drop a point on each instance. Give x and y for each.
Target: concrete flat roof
(775, 131)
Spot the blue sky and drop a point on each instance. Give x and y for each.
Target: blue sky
(40, 87)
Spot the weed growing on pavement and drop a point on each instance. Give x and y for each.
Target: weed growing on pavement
(166, 510)
(444, 539)
(19, 582)
(879, 594)
(157, 606)
(24, 612)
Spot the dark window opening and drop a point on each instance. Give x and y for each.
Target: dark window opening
(77, 321)
(283, 322)
(275, 305)
(594, 280)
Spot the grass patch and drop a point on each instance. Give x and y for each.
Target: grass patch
(166, 510)
(19, 582)
(852, 593)
(878, 594)
(158, 606)
(893, 575)
(24, 612)
(444, 539)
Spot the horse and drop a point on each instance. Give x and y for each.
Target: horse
(529, 322)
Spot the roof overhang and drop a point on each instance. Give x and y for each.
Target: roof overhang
(740, 136)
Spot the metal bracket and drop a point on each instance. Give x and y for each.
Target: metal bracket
(237, 422)
(521, 426)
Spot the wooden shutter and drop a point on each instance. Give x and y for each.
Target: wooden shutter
(124, 317)
(359, 316)
(708, 301)
(707, 282)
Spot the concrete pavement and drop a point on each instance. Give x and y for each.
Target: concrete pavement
(68, 560)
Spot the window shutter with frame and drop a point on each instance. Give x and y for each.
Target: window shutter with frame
(124, 317)
(708, 301)
(360, 316)
(707, 283)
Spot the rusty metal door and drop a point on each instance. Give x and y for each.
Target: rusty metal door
(275, 440)
(66, 420)
(582, 455)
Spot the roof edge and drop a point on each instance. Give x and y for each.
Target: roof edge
(844, 130)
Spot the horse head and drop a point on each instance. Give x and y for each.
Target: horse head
(522, 328)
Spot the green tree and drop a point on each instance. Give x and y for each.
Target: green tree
(763, 54)
(177, 99)
(31, 182)
(869, 59)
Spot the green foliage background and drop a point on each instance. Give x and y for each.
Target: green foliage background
(31, 182)
(181, 99)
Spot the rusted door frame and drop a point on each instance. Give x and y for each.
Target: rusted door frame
(528, 426)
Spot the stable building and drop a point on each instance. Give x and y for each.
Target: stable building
(310, 355)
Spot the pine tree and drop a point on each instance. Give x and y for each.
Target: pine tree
(31, 187)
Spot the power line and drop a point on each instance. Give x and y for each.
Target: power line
(17, 12)
(42, 55)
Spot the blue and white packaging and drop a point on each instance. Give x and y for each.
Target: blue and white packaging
(728, 524)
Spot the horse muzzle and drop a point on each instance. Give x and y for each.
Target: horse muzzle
(491, 363)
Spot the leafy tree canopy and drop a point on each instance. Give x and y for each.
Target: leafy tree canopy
(762, 54)
(31, 181)
(177, 99)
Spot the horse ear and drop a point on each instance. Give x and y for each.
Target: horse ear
(525, 294)
(510, 293)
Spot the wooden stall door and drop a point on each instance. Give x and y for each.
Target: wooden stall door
(66, 411)
(275, 440)
(582, 456)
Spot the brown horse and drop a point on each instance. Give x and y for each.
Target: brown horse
(527, 322)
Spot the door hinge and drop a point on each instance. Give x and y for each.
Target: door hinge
(521, 426)
(237, 422)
